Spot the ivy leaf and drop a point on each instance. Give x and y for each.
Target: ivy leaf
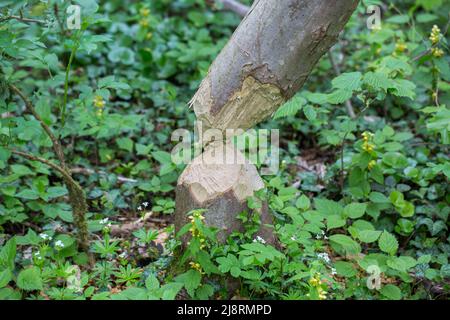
(388, 243)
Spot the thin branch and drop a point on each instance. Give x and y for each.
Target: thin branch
(22, 19)
(427, 51)
(337, 71)
(49, 163)
(235, 6)
(56, 145)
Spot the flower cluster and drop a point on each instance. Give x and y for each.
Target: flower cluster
(194, 230)
(59, 245)
(435, 35)
(144, 13)
(324, 256)
(316, 282)
(371, 164)
(437, 52)
(321, 235)
(260, 240)
(400, 47)
(99, 103)
(45, 237)
(196, 266)
(367, 137)
(144, 204)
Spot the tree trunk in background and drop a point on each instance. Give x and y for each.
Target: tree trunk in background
(266, 61)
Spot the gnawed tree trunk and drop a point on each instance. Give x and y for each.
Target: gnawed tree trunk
(267, 60)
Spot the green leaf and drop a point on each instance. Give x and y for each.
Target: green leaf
(290, 108)
(303, 202)
(377, 80)
(339, 96)
(30, 279)
(391, 292)
(347, 243)
(28, 194)
(355, 210)
(162, 157)
(345, 269)
(349, 81)
(368, 236)
(190, 279)
(378, 197)
(125, 144)
(335, 221)
(5, 277)
(310, 113)
(8, 254)
(328, 207)
(388, 243)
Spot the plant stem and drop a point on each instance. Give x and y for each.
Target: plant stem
(66, 84)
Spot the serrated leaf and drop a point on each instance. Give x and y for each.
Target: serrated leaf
(388, 243)
(339, 96)
(368, 236)
(30, 279)
(355, 210)
(349, 81)
(347, 243)
(290, 108)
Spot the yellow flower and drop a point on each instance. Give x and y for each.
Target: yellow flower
(400, 47)
(371, 164)
(143, 23)
(99, 102)
(196, 266)
(437, 52)
(148, 36)
(144, 12)
(435, 34)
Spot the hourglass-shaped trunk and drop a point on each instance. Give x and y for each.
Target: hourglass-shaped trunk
(266, 61)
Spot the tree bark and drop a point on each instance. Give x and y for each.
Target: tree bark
(266, 61)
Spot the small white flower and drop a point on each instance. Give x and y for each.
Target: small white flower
(37, 255)
(325, 237)
(139, 208)
(145, 204)
(259, 239)
(104, 221)
(323, 232)
(293, 238)
(45, 236)
(318, 237)
(59, 244)
(324, 256)
(123, 255)
(333, 271)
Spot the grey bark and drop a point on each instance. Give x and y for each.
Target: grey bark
(235, 6)
(266, 61)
